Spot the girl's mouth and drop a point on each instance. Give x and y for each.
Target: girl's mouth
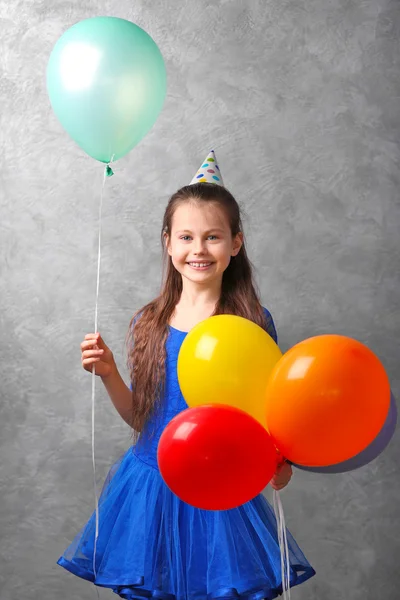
(200, 266)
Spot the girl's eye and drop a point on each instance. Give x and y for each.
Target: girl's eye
(185, 238)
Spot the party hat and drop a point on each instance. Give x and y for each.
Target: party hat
(209, 171)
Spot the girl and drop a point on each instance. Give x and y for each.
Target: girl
(150, 543)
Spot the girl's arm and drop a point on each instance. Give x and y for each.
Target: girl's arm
(96, 352)
(120, 394)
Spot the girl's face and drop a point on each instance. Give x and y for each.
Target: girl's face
(201, 243)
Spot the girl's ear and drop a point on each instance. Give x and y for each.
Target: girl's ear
(167, 242)
(237, 243)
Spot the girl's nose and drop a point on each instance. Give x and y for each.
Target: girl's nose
(199, 247)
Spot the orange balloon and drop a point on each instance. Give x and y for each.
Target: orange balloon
(327, 400)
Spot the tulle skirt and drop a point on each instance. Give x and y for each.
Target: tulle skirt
(153, 545)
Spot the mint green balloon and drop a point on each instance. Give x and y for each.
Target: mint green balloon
(106, 82)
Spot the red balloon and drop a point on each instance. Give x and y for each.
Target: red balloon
(216, 457)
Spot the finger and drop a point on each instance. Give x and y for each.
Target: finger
(284, 468)
(90, 361)
(277, 486)
(100, 342)
(280, 469)
(88, 344)
(91, 348)
(92, 353)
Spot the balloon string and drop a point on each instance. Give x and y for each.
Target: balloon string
(96, 312)
(283, 545)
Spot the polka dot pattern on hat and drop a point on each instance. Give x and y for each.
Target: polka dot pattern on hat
(207, 173)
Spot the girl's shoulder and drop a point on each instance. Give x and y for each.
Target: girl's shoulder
(270, 325)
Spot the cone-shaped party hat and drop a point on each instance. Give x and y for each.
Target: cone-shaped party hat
(209, 171)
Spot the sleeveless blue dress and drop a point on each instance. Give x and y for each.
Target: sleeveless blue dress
(153, 545)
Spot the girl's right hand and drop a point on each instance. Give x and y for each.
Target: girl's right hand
(96, 352)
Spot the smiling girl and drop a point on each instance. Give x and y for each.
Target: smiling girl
(150, 543)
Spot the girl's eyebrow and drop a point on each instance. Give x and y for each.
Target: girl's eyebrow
(206, 232)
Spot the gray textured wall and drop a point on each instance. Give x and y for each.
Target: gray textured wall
(300, 101)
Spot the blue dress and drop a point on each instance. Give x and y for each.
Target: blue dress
(153, 545)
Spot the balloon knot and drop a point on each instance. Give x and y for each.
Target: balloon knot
(109, 171)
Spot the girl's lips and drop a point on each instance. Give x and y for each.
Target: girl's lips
(198, 268)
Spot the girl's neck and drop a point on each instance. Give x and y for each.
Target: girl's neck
(195, 296)
(194, 306)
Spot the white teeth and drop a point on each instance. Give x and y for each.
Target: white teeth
(199, 265)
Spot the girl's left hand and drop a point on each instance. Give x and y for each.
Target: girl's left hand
(282, 476)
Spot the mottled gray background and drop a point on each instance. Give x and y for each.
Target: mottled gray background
(300, 100)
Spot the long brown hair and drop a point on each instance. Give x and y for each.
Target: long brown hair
(148, 330)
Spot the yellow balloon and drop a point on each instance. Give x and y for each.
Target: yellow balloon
(227, 360)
